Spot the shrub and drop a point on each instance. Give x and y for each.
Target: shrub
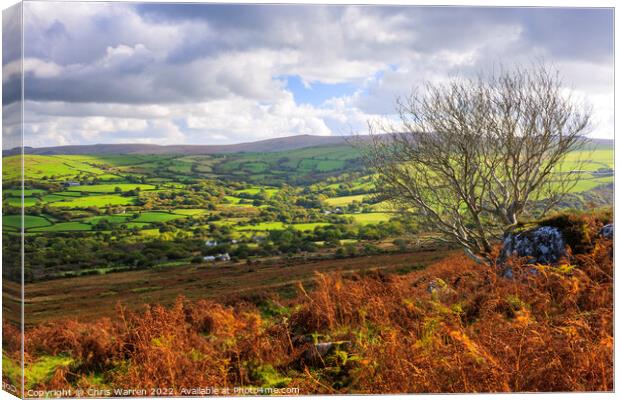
(575, 228)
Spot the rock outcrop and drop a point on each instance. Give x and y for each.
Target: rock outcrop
(542, 245)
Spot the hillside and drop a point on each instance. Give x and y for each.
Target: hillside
(453, 327)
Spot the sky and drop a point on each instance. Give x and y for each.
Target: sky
(216, 74)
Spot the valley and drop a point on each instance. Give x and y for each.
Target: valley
(142, 228)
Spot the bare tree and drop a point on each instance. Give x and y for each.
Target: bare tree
(470, 156)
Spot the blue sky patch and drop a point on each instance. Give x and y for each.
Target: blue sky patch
(317, 92)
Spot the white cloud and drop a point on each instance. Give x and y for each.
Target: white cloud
(219, 121)
(109, 72)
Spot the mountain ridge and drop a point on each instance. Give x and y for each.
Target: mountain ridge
(266, 145)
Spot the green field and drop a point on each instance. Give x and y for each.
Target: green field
(597, 157)
(190, 211)
(110, 188)
(113, 219)
(77, 167)
(256, 190)
(588, 184)
(67, 193)
(17, 202)
(233, 201)
(18, 192)
(230, 221)
(382, 206)
(95, 201)
(51, 198)
(369, 218)
(272, 226)
(138, 225)
(367, 187)
(149, 217)
(264, 226)
(309, 226)
(64, 227)
(345, 200)
(112, 160)
(288, 165)
(53, 167)
(30, 221)
(150, 232)
(320, 165)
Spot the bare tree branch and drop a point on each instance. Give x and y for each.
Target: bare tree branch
(469, 156)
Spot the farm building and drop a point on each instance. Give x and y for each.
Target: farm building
(217, 257)
(223, 257)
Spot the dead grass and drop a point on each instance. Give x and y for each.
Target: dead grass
(548, 329)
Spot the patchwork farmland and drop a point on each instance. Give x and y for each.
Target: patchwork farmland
(321, 193)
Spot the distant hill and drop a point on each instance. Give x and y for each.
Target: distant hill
(602, 143)
(268, 145)
(261, 146)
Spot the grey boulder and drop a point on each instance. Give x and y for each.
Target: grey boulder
(542, 245)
